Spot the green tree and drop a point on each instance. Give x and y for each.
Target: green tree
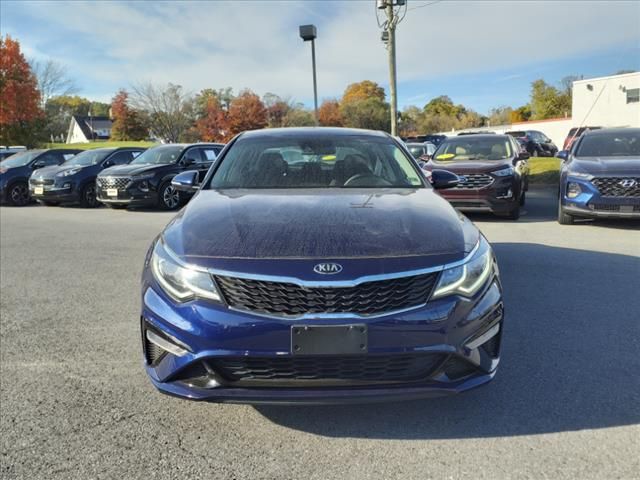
(548, 102)
(372, 113)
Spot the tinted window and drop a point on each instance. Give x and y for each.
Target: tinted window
(163, 154)
(121, 158)
(68, 156)
(20, 159)
(614, 144)
(416, 149)
(315, 160)
(193, 154)
(474, 148)
(50, 158)
(88, 157)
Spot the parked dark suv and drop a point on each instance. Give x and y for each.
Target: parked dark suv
(493, 171)
(147, 180)
(536, 143)
(16, 170)
(75, 180)
(317, 265)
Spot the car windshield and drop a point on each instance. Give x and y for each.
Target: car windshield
(88, 157)
(20, 159)
(164, 154)
(614, 144)
(316, 160)
(416, 149)
(474, 148)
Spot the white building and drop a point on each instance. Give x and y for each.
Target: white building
(86, 129)
(607, 101)
(612, 101)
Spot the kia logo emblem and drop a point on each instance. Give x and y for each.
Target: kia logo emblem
(627, 183)
(327, 268)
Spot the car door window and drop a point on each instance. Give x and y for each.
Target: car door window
(67, 156)
(50, 158)
(193, 155)
(120, 158)
(210, 154)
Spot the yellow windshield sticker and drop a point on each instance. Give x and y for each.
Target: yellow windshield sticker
(445, 156)
(329, 158)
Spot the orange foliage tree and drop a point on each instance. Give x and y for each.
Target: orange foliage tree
(19, 96)
(363, 91)
(246, 112)
(212, 126)
(329, 114)
(127, 122)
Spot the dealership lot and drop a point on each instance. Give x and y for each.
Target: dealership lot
(75, 402)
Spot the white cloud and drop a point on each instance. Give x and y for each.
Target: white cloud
(256, 44)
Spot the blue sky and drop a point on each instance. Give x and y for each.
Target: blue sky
(481, 54)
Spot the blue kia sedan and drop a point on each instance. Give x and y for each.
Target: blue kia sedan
(317, 265)
(600, 176)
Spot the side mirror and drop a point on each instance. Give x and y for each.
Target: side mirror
(188, 161)
(186, 181)
(38, 164)
(442, 179)
(521, 156)
(563, 155)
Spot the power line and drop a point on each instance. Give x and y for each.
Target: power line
(425, 5)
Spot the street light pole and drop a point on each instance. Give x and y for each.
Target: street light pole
(309, 33)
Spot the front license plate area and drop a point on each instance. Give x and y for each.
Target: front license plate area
(112, 192)
(329, 339)
(38, 190)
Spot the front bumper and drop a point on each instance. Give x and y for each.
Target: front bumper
(501, 197)
(591, 204)
(130, 196)
(65, 193)
(459, 337)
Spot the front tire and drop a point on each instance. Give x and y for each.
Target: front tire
(88, 197)
(523, 198)
(564, 218)
(168, 197)
(18, 195)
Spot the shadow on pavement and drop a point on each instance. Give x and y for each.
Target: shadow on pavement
(569, 362)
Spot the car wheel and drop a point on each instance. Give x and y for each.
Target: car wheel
(48, 203)
(523, 198)
(169, 197)
(564, 218)
(18, 194)
(88, 196)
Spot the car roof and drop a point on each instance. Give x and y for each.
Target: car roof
(316, 131)
(492, 136)
(605, 131)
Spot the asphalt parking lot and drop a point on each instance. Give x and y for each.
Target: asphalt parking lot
(75, 401)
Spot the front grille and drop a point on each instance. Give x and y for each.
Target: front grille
(41, 181)
(113, 182)
(474, 181)
(328, 369)
(288, 299)
(612, 186)
(603, 207)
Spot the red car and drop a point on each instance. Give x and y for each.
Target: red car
(574, 134)
(493, 173)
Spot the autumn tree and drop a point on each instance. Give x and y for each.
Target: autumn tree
(329, 114)
(128, 124)
(246, 112)
(298, 116)
(212, 126)
(363, 91)
(53, 79)
(20, 113)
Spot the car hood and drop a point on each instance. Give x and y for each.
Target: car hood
(135, 169)
(606, 166)
(471, 166)
(320, 224)
(52, 171)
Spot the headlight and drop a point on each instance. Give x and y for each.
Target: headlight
(67, 173)
(179, 280)
(466, 279)
(573, 190)
(144, 176)
(504, 172)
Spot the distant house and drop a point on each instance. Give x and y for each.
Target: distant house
(85, 129)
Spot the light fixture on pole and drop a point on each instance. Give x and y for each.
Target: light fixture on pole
(309, 33)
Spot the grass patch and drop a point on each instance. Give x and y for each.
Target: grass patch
(544, 170)
(106, 144)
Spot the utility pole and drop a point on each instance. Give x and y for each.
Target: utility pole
(309, 33)
(392, 9)
(391, 48)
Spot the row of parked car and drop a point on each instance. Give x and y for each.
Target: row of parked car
(115, 177)
(599, 175)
